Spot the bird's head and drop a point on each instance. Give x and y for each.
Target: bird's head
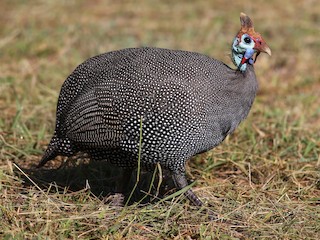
(246, 43)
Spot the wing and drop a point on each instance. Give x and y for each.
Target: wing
(91, 121)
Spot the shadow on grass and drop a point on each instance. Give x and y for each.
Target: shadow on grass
(101, 178)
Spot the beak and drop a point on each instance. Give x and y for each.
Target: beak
(267, 50)
(261, 46)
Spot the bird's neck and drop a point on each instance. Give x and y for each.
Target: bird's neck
(237, 55)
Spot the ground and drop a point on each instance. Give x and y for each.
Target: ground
(263, 181)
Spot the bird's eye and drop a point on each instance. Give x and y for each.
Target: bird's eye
(247, 40)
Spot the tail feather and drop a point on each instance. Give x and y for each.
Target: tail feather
(49, 154)
(56, 147)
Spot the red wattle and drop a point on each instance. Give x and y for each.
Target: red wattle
(243, 60)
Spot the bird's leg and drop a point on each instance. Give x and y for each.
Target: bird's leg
(120, 187)
(124, 179)
(180, 182)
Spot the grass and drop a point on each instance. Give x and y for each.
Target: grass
(263, 181)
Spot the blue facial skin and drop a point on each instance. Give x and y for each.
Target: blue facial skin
(247, 55)
(239, 53)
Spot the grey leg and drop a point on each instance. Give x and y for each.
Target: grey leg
(181, 182)
(117, 199)
(123, 180)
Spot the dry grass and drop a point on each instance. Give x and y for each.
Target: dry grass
(263, 181)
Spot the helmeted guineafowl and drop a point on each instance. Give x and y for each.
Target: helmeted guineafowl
(186, 103)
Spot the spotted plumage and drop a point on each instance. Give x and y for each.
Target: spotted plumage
(185, 102)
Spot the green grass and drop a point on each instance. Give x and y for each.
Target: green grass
(263, 181)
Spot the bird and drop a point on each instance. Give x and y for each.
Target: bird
(154, 106)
